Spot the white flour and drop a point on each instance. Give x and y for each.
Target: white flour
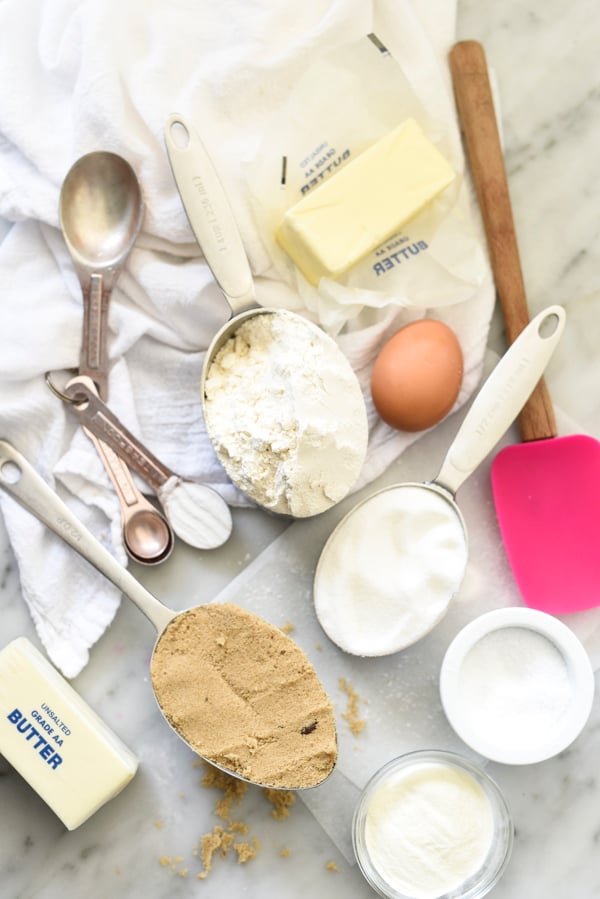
(428, 828)
(387, 574)
(286, 415)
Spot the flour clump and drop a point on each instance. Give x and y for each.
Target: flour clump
(286, 414)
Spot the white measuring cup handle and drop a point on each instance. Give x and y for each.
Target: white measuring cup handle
(209, 213)
(502, 397)
(20, 480)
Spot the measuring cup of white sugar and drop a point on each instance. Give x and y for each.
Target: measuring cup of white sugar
(282, 405)
(390, 568)
(431, 825)
(517, 685)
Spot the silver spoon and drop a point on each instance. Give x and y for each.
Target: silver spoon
(101, 213)
(197, 513)
(417, 544)
(300, 739)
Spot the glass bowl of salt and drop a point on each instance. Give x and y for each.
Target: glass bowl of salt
(432, 825)
(517, 685)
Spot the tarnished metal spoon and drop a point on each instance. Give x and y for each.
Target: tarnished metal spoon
(101, 212)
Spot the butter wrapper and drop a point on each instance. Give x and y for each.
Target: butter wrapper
(56, 742)
(340, 109)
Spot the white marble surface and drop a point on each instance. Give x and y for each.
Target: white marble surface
(545, 59)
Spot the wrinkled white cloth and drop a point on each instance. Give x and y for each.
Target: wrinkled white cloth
(82, 75)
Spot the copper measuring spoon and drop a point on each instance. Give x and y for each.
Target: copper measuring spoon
(101, 212)
(147, 535)
(196, 512)
(20, 480)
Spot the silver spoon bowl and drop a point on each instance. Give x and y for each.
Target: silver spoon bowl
(101, 212)
(20, 480)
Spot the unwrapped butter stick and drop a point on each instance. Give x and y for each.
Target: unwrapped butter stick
(54, 740)
(363, 204)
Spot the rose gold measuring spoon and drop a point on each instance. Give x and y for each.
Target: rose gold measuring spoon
(197, 513)
(295, 733)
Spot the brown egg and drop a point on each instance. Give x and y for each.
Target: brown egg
(417, 375)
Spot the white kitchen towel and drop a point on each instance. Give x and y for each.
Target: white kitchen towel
(82, 75)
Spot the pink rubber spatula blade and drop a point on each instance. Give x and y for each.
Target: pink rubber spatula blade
(547, 488)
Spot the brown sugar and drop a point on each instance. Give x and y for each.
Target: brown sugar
(282, 801)
(226, 838)
(233, 790)
(352, 715)
(245, 697)
(221, 840)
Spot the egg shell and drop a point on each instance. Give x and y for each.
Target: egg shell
(417, 375)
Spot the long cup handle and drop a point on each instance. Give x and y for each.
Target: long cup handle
(475, 105)
(209, 213)
(20, 480)
(502, 397)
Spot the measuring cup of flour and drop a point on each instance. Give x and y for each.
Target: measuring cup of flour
(388, 571)
(236, 689)
(282, 405)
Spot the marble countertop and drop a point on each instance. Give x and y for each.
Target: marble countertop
(143, 843)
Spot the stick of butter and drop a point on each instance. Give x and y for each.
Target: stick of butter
(54, 740)
(363, 204)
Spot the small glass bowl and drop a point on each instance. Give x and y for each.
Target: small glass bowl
(490, 871)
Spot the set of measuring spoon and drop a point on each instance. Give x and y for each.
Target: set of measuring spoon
(101, 212)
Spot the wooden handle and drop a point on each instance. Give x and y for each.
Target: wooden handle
(477, 116)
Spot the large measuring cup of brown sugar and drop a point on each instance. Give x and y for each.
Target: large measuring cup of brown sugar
(235, 688)
(282, 405)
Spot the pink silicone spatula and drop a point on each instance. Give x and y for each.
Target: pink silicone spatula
(547, 488)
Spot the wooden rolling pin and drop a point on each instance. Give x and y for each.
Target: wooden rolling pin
(477, 116)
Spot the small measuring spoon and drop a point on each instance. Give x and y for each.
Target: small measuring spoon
(297, 737)
(101, 213)
(213, 224)
(412, 536)
(147, 535)
(197, 513)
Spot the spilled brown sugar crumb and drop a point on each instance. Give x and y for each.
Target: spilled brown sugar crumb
(221, 840)
(232, 788)
(226, 837)
(281, 801)
(245, 696)
(352, 714)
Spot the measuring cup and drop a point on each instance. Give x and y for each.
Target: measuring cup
(389, 569)
(101, 213)
(198, 515)
(213, 224)
(20, 480)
